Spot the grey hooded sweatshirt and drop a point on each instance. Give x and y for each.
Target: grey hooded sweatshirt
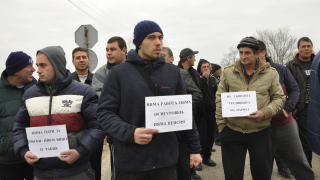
(56, 56)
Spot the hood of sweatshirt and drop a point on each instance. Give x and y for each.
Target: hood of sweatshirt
(149, 65)
(201, 61)
(56, 56)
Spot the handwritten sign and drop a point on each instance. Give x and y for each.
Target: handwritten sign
(238, 104)
(47, 141)
(169, 113)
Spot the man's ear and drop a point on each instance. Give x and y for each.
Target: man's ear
(124, 50)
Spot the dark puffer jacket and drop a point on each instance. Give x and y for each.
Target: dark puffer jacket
(10, 103)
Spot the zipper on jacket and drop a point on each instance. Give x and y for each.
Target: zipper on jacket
(50, 106)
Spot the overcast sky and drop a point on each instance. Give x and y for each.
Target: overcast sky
(207, 26)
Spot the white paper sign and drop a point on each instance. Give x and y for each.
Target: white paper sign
(47, 141)
(169, 113)
(238, 104)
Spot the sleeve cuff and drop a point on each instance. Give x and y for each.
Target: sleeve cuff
(82, 151)
(287, 110)
(23, 151)
(267, 113)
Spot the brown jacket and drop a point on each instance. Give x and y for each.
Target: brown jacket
(270, 97)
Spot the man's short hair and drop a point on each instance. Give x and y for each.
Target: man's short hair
(79, 49)
(168, 50)
(304, 39)
(121, 43)
(262, 46)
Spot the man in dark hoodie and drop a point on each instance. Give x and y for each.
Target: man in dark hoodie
(285, 135)
(300, 68)
(139, 152)
(208, 88)
(44, 105)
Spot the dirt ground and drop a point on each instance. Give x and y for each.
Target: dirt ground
(210, 173)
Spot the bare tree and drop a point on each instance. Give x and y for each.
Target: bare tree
(279, 42)
(130, 45)
(230, 58)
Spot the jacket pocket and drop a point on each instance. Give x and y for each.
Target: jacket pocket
(4, 145)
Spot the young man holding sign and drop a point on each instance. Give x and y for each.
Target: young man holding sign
(252, 132)
(139, 152)
(57, 99)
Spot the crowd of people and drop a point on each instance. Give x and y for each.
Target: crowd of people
(111, 103)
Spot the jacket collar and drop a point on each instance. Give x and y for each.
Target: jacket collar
(61, 85)
(75, 76)
(260, 69)
(133, 57)
(5, 81)
(296, 60)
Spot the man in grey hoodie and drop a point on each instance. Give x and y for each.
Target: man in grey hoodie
(55, 100)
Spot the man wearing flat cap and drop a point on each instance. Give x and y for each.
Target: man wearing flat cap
(15, 80)
(139, 152)
(253, 132)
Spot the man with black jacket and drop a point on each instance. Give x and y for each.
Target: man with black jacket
(82, 74)
(208, 88)
(143, 153)
(81, 62)
(300, 68)
(183, 169)
(187, 59)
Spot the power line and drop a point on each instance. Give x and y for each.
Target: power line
(88, 14)
(114, 21)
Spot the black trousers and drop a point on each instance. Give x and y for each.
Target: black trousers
(302, 120)
(234, 147)
(18, 171)
(183, 165)
(209, 128)
(95, 161)
(167, 173)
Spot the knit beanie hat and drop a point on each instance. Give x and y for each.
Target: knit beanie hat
(215, 67)
(143, 29)
(250, 42)
(17, 61)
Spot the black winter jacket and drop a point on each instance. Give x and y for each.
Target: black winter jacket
(299, 75)
(208, 89)
(87, 81)
(121, 110)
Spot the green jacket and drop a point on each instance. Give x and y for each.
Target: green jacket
(270, 97)
(10, 103)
